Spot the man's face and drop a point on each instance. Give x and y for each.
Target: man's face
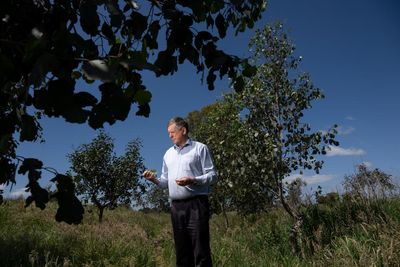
(178, 136)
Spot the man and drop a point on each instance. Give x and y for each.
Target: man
(187, 172)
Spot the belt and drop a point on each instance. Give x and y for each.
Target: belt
(201, 197)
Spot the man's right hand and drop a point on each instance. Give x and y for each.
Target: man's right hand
(149, 175)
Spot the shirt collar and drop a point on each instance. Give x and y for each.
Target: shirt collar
(188, 143)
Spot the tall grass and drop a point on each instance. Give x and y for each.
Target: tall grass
(340, 236)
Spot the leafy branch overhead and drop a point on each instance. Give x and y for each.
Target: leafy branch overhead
(48, 45)
(70, 209)
(52, 51)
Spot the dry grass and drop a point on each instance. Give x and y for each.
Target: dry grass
(31, 237)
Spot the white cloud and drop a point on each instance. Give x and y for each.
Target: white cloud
(345, 130)
(339, 151)
(313, 179)
(18, 193)
(350, 118)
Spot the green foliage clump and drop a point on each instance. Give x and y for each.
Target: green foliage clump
(48, 48)
(104, 179)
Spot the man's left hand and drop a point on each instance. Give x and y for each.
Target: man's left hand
(183, 181)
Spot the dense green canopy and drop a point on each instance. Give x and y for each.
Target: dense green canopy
(47, 46)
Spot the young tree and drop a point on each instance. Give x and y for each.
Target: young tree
(104, 179)
(368, 184)
(260, 139)
(219, 126)
(46, 46)
(210, 125)
(275, 100)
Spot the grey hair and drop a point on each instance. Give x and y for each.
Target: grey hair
(179, 123)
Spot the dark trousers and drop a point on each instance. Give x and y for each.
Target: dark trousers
(191, 231)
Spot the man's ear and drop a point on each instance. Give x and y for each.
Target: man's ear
(184, 131)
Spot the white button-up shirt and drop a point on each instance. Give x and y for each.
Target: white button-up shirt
(192, 160)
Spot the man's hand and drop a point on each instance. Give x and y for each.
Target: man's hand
(150, 175)
(183, 181)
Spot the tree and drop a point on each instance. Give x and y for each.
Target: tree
(268, 140)
(220, 126)
(330, 199)
(209, 125)
(47, 47)
(368, 184)
(104, 179)
(294, 193)
(275, 99)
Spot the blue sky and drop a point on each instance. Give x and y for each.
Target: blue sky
(351, 50)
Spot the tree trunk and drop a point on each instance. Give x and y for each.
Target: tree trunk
(101, 211)
(225, 215)
(295, 235)
(295, 232)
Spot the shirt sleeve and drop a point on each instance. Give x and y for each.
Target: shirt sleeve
(209, 175)
(164, 175)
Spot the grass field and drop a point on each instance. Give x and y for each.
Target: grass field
(31, 237)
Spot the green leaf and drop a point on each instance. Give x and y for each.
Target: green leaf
(29, 128)
(239, 84)
(151, 43)
(139, 24)
(115, 12)
(34, 49)
(189, 53)
(217, 5)
(30, 164)
(221, 25)
(44, 64)
(6, 67)
(99, 69)
(210, 21)
(107, 31)
(84, 99)
(114, 105)
(138, 61)
(142, 97)
(89, 18)
(76, 75)
(210, 80)
(166, 63)
(199, 9)
(70, 209)
(76, 115)
(143, 110)
(201, 37)
(38, 194)
(154, 28)
(249, 71)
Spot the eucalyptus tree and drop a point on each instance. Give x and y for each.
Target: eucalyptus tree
(104, 179)
(275, 100)
(217, 125)
(51, 51)
(220, 126)
(369, 184)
